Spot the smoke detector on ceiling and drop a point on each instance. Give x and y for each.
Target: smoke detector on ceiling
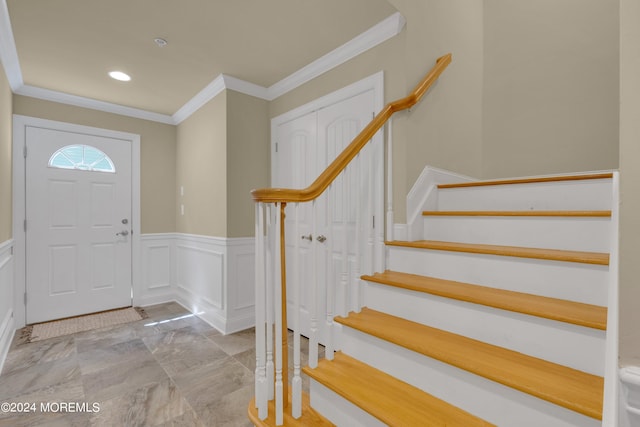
(160, 42)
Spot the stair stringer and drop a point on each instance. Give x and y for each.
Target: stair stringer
(486, 399)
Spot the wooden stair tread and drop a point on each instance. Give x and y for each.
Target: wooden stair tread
(512, 251)
(529, 213)
(310, 417)
(528, 180)
(392, 401)
(567, 387)
(591, 316)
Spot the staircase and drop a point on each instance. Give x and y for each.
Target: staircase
(497, 317)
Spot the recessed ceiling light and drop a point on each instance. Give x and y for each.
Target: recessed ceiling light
(119, 75)
(160, 42)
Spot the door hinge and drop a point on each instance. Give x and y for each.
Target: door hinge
(24, 151)
(25, 298)
(25, 225)
(276, 147)
(374, 222)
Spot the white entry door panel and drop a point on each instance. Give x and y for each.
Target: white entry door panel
(78, 211)
(306, 146)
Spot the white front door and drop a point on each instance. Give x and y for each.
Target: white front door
(78, 223)
(306, 146)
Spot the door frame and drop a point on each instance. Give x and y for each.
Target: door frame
(20, 123)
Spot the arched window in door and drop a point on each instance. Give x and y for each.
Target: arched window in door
(81, 157)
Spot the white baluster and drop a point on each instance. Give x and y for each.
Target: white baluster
(270, 250)
(357, 187)
(296, 382)
(344, 274)
(260, 292)
(313, 300)
(277, 300)
(378, 144)
(390, 218)
(331, 283)
(371, 214)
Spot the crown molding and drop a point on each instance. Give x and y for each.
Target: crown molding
(79, 101)
(8, 52)
(210, 91)
(374, 36)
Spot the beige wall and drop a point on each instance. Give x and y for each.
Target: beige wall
(629, 182)
(445, 129)
(388, 57)
(5, 158)
(550, 86)
(157, 153)
(248, 142)
(201, 169)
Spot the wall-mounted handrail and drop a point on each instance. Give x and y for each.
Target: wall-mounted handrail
(274, 195)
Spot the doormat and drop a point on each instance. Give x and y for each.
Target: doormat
(88, 322)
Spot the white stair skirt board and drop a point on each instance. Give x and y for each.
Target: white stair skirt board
(338, 410)
(630, 398)
(586, 283)
(423, 196)
(591, 194)
(590, 234)
(483, 398)
(554, 341)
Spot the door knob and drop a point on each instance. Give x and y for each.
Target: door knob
(309, 237)
(123, 233)
(321, 238)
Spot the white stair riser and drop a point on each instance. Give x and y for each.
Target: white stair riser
(579, 234)
(565, 195)
(579, 282)
(338, 410)
(546, 339)
(486, 399)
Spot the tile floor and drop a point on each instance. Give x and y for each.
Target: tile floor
(171, 369)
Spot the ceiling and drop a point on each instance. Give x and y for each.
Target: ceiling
(69, 46)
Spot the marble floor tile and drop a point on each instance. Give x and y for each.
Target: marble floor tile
(225, 410)
(188, 419)
(50, 419)
(169, 370)
(152, 405)
(183, 349)
(104, 358)
(104, 338)
(104, 384)
(247, 358)
(220, 404)
(39, 376)
(29, 354)
(235, 343)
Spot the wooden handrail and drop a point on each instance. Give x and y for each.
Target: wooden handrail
(274, 195)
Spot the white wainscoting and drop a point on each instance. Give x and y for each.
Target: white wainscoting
(211, 276)
(7, 321)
